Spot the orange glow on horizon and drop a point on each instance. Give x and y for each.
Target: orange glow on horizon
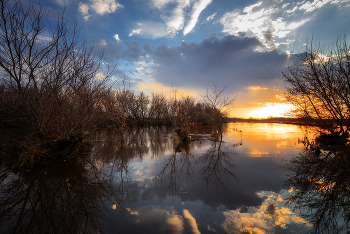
(166, 91)
(271, 106)
(267, 110)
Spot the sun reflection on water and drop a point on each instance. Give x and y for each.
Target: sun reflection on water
(268, 139)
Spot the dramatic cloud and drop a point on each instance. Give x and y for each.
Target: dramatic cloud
(230, 59)
(99, 6)
(259, 22)
(128, 50)
(272, 21)
(172, 18)
(268, 218)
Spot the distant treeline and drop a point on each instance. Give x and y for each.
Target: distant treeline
(285, 120)
(55, 90)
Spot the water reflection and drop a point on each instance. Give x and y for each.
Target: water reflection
(320, 189)
(215, 167)
(66, 197)
(148, 181)
(270, 217)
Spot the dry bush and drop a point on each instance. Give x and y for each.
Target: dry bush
(49, 86)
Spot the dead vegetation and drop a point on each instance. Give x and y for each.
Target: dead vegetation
(55, 90)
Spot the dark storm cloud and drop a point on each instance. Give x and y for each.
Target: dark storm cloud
(229, 59)
(127, 50)
(133, 50)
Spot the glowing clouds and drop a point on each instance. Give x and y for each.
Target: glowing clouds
(191, 221)
(175, 223)
(265, 219)
(256, 88)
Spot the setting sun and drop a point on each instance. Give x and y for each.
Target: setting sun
(269, 109)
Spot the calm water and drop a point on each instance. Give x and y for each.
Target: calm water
(152, 183)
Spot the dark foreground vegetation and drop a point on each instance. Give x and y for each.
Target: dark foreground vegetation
(319, 184)
(55, 90)
(318, 85)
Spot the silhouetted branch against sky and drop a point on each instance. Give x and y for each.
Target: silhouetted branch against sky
(240, 43)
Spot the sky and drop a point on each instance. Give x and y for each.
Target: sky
(193, 44)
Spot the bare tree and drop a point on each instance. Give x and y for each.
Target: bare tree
(158, 110)
(51, 81)
(217, 106)
(320, 189)
(318, 85)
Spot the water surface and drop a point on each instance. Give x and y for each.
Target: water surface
(150, 182)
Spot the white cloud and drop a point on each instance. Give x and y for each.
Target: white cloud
(177, 20)
(211, 16)
(135, 31)
(197, 8)
(249, 9)
(105, 6)
(84, 9)
(116, 36)
(99, 6)
(172, 17)
(285, 5)
(311, 6)
(162, 3)
(291, 11)
(263, 22)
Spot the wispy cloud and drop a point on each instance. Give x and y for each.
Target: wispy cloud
(270, 21)
(211, 16)
(197, 8)
(256, 88)
(150, 29)
(172, 18)
(311, 6)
